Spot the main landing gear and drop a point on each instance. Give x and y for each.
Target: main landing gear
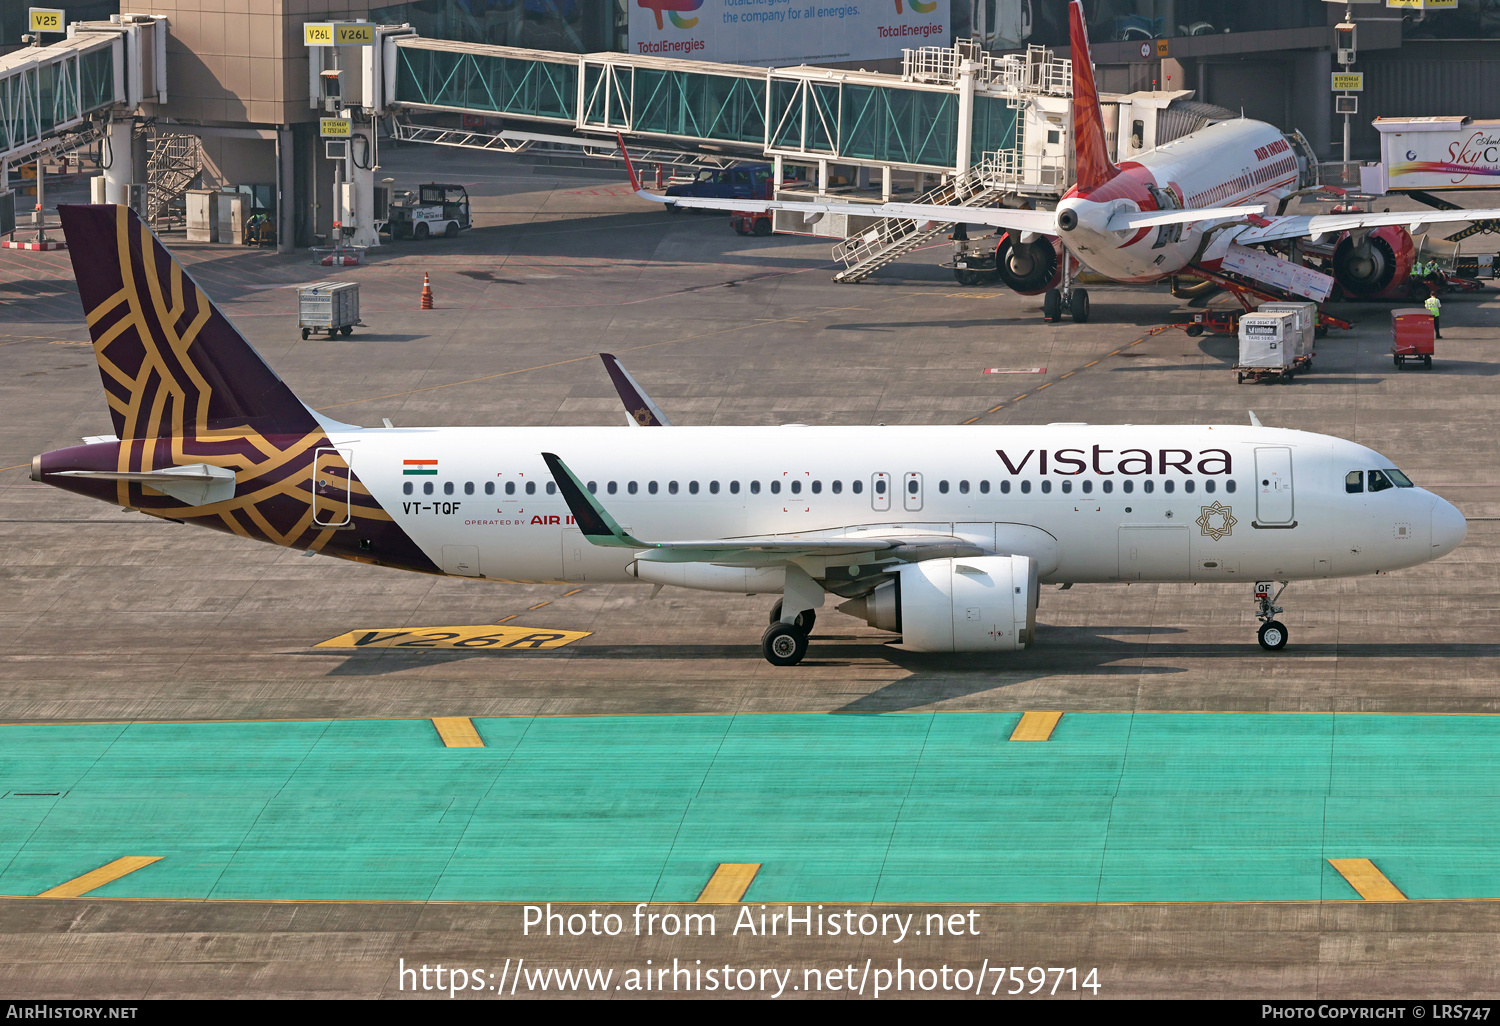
(785, 644)
(1272, 633)
(1074, 300)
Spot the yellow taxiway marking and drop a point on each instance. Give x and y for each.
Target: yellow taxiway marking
(1367, 880)
(1116, 352)
(1035, 726)
(1018, 398)
(992, 409)
(1069, 374)
(1089, 364)
(729, 883)
(507, 619)
(1047, 385)
(971, 420)
(457, 732)
(80, 886)
(539, 605)
(575, 591)
(476, 636)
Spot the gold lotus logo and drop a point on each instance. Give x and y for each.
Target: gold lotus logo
(643, 417)
(1216, 521)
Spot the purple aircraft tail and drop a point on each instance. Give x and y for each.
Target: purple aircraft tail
(172, 364)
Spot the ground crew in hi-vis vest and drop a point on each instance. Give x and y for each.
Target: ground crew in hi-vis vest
(1435, 307)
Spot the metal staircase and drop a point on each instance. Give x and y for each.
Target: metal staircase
(174, 165)
(893, 237)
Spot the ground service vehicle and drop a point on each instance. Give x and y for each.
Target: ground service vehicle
(437, 209)
(743, 181)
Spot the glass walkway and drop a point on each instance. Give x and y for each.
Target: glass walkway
(912, 121)
(47, 90)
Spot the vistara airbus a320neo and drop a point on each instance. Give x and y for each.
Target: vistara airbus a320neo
(940, 534)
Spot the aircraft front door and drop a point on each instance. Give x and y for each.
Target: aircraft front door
(331, 487)
(880, 492)
(1273, 486)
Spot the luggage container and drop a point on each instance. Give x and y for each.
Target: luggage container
(1412, 335)
(1268, 344)
(1307, 327)
(331, 306)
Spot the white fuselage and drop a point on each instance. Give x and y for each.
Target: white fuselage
(1232, 163)
(1091, 503)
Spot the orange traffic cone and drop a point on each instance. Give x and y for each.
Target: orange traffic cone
(426, 293)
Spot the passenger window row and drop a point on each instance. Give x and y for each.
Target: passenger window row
(1353, 482)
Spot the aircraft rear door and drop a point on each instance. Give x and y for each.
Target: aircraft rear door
(1273, 487)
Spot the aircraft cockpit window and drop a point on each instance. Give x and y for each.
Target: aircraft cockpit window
(426, 487)
(856, 486)
(468, 487)
(530, 487)
(1402, 481)
(1379, 482)
(1354, 482)
(406, 488)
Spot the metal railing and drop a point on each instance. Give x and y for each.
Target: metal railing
(1035, 71)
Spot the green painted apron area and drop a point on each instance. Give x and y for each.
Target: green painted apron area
(929, 807)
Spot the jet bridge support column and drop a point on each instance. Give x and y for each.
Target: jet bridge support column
(119, 170)
(966, 70)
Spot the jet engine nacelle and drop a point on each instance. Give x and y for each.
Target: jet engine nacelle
(1380, 268)
(1029, 268)
(964, 604)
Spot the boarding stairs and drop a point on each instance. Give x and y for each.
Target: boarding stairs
(173, 166)
(893, 237)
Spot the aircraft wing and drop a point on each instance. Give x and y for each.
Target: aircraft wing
(601, 529)
(1043, 222)
(1299, 225)
(1126, 220)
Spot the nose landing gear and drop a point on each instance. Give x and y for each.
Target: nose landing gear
(1273, 633)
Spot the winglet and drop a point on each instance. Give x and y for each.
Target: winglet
(1089, 141)
(635, 181)
(1254, 420)
(643, 412)
(592, 519)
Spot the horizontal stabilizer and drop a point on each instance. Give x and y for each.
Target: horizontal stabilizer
(197, 484)
(1126, 220)
(1296, 226)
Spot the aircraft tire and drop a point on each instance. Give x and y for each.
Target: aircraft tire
(1078, 306)
(1052, 306)
(1272, 636)
(805, 619)
(783, 645)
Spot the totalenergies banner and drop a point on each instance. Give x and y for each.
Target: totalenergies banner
(780, 33)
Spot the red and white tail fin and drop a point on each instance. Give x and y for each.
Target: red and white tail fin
(1089, 145)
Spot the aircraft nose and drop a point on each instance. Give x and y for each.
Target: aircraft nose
(1449, 528)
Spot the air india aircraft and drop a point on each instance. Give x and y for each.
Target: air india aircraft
(940, 534)
(1175, 209)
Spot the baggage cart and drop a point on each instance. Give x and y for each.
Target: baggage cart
(1412, 335)
(1268, 344)
(330, 306)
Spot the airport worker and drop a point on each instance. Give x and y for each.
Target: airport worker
(1435, 307)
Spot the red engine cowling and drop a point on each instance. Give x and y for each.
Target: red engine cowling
(1379, 270)
(1029, 269)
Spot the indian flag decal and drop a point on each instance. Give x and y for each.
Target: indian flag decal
(419, 467)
